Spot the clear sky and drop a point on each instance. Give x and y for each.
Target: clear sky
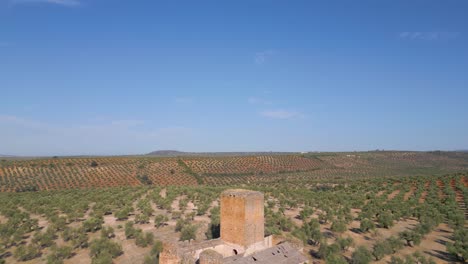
(129, 77)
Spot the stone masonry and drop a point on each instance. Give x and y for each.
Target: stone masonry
(242, 237)
(242, 217)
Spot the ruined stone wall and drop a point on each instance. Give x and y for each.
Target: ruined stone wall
(170, 254)
(242, 220)
(210, 256)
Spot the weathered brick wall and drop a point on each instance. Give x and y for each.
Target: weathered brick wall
(242, 220)
(254, 219)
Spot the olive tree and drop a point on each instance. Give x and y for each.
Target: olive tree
(459, 247)
(361, 256)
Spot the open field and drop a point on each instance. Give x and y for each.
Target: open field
(379, 206)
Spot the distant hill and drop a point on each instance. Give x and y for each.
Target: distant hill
(166, 153)
(6, 156)
(176, 153)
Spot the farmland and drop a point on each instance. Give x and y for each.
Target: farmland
(97, 172)
(382, 207)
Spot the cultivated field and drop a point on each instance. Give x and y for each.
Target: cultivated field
(18, 175)
(383, 207)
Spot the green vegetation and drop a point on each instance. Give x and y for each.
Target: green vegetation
(27, 252)
(188, 232)
(59, 254)
(459, 247)
(189, 171)
(153, 256)
(103, 250)
(361, 256)
(321, 211)
(144, 179)
(24, 175)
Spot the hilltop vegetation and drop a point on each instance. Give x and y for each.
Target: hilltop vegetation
(92, 172)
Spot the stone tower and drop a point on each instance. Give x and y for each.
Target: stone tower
(242, 220)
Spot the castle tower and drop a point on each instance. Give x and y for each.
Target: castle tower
(242, 220)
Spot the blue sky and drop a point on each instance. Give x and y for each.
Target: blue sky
(129, 77)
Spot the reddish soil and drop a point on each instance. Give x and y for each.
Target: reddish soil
(410, 193)
(380, 193)
(393, 194)
(424, 194)
(441, 186)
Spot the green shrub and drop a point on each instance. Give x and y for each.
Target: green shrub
(366, 225)
(144, 239)
(416, 258)
(142, 219)
(102, 248)
(44, 239)
(335, 259)
(412, 238)
(385, 219)
(144, 179)
(92, 224)
(157, 248)
(326, 250)
(381, 249)
(104, 258)
(459, 248)
(77, 236)
(361, 256)
(305, 213)
(28, 252)
(180, 224)
(188, 232)
(344, 243)
(130, 231)
(149, 259)
(309, 232)
(107, 232)
(159, 220)
(339, 226)
(122, 214)
(395, 244)
(396, 260)
(59, 254)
